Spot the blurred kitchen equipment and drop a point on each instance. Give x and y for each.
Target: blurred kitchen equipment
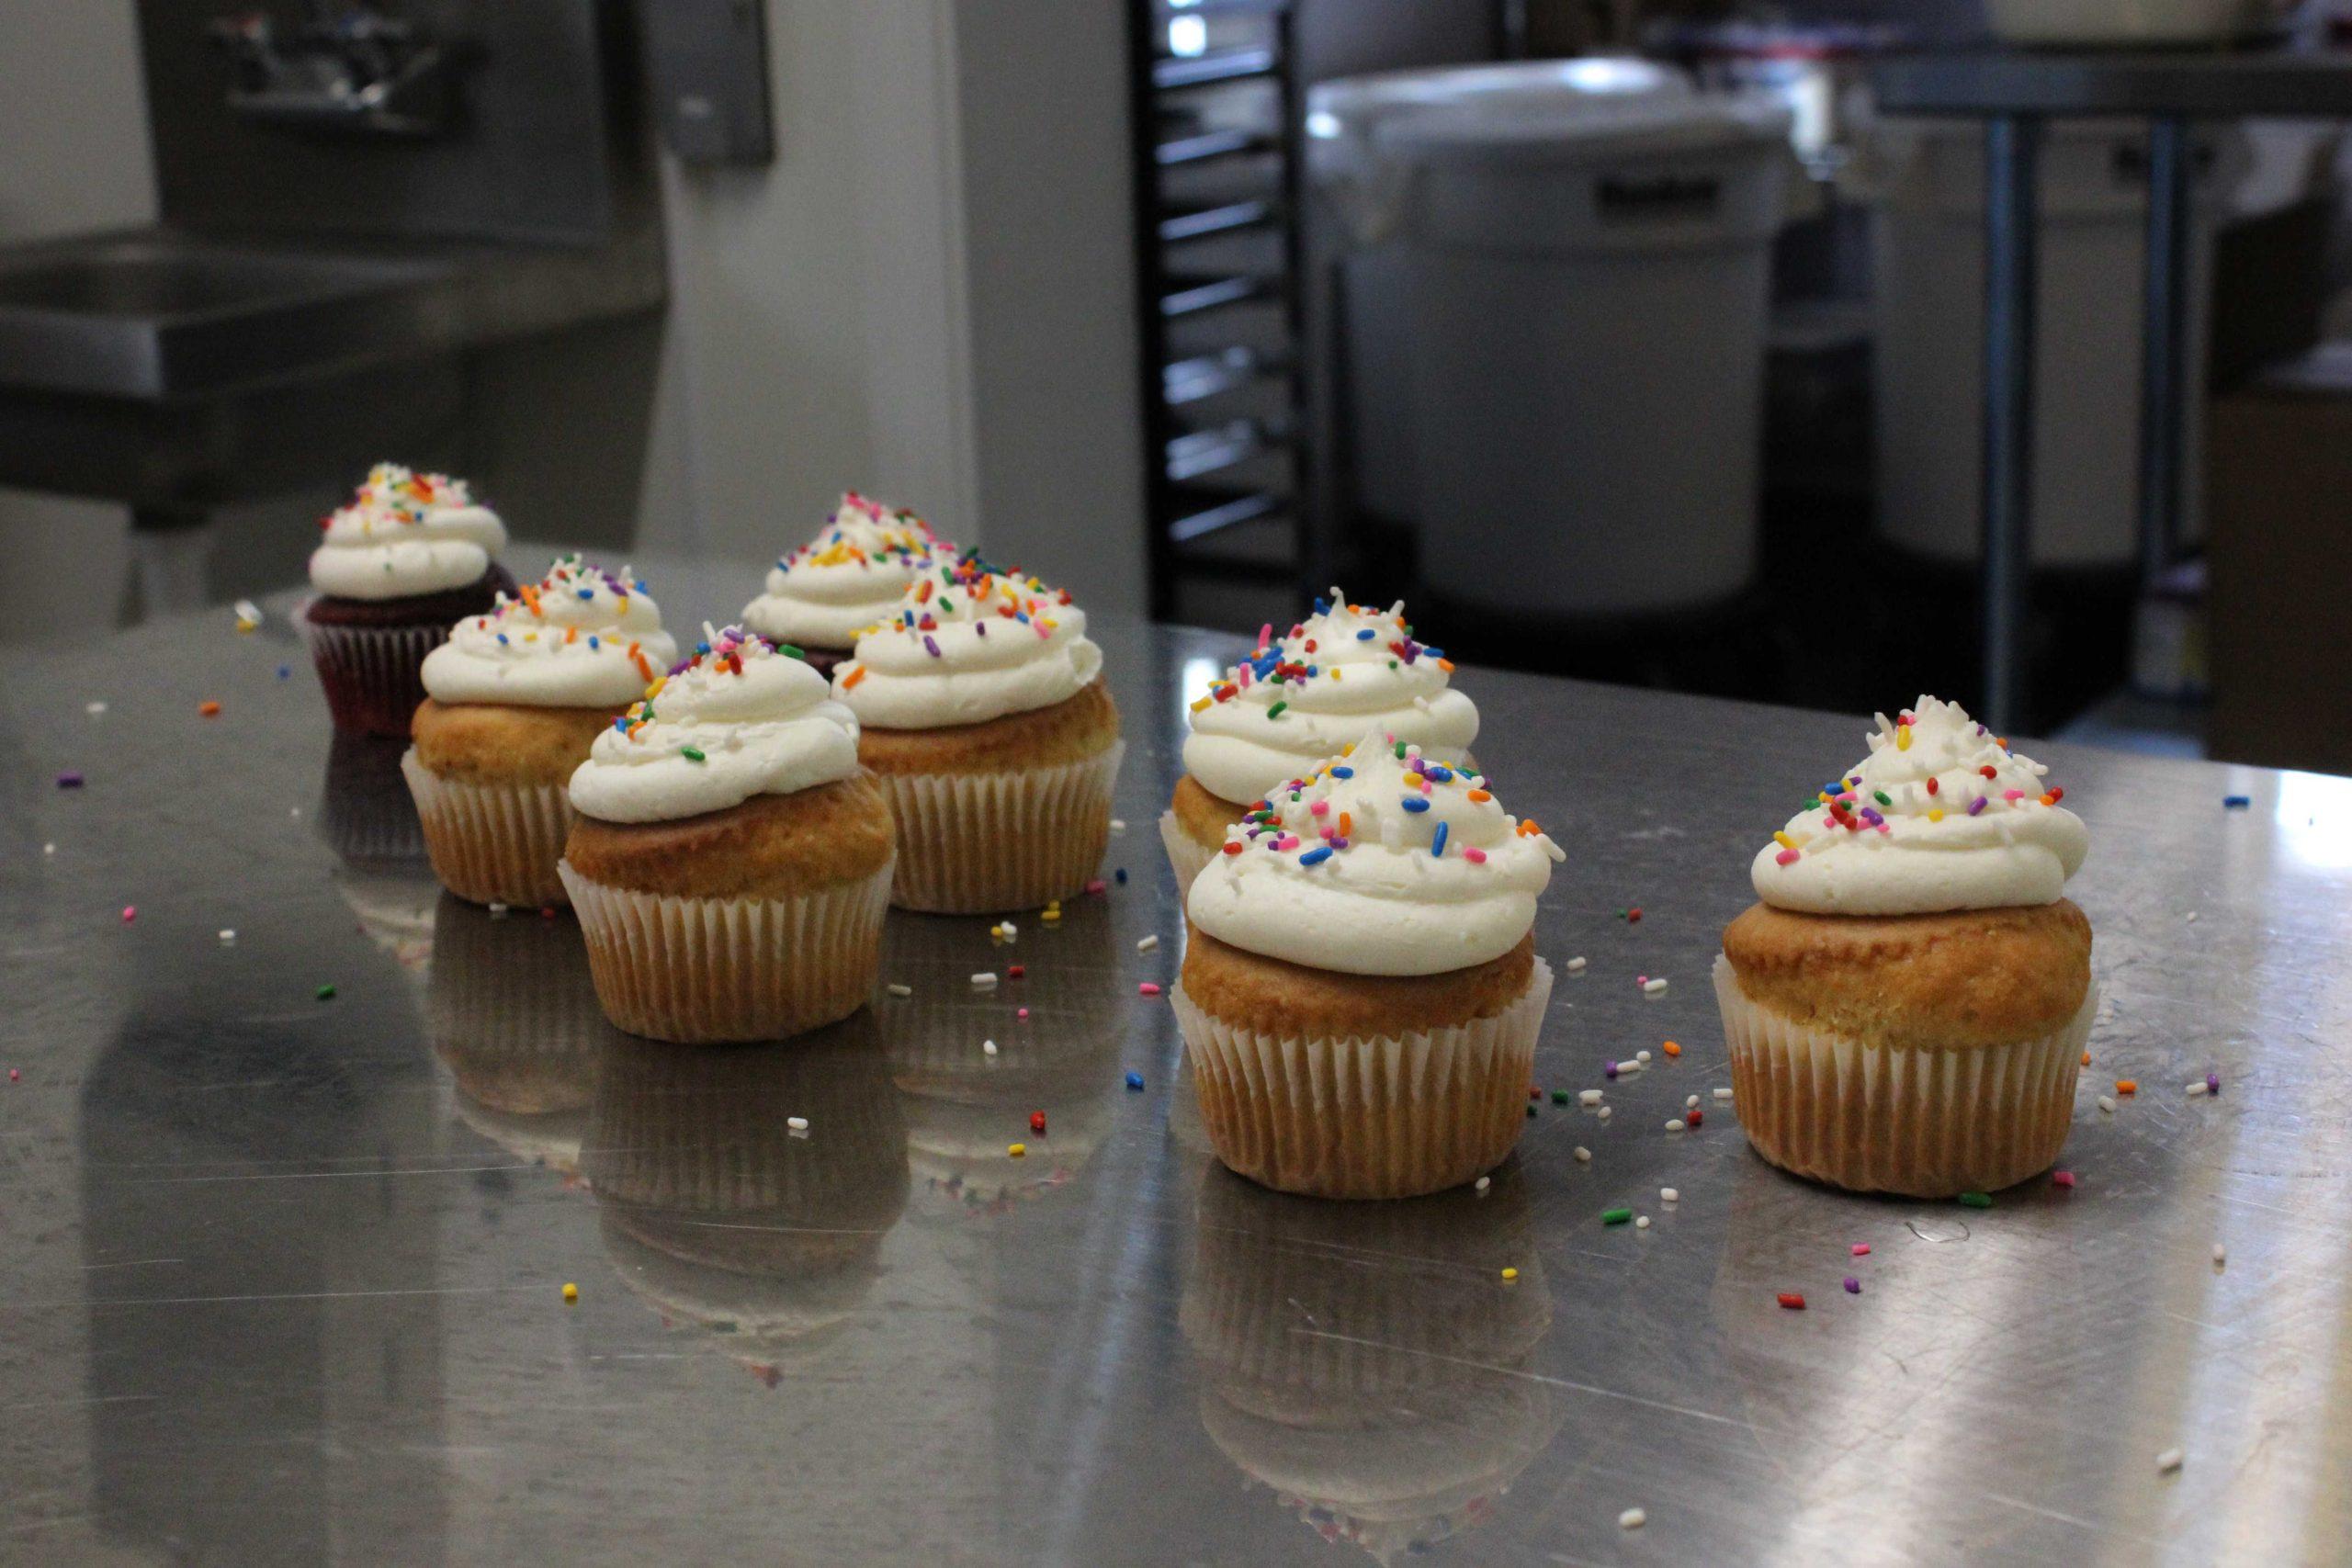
(2042, 22)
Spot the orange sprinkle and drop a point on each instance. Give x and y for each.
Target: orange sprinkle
(1347, 825)
(2127, 1086)
(2087, 1058)
(208, 708)
(2048, 800)
(570, 634)
(531, 597)
(1481, 796)
(854, 677)
(1446, 665)
(1527, 828)
(638, 659)
(1671, 1049)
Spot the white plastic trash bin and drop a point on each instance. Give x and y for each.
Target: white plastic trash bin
(1927, 177)
(1577, 299)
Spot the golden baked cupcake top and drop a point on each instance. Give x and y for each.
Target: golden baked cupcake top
(1379, 861)
(966, 644)
(740, 719)
(1941, 816)
(580, 637)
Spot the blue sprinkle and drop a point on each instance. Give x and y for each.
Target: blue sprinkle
(1439, 775)
(1437, 845)
(2236, 802)
(1415, 803)
(595, 643)
(1343, 773)
(1134, 1080)
(1315, 856)
(1322, 607)
(502, 637)
(1433, 652)
(587, 593)
(1120, 876)
(1366, 634)
(285, 670)
(701, 648)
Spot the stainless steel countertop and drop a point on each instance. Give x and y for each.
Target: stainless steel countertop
(280, 1278)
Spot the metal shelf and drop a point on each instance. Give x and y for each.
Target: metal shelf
(1177, 72)
(1180, 151)
(1199, 453)
(1226, 217)
(1193, 294)
(1211, 514)
(1206, 375)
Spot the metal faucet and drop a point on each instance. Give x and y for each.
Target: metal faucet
(349, 68)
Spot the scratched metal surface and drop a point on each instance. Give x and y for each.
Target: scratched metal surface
(280, 1278)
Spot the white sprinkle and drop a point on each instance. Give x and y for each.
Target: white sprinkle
(295, 812)
(2192, 916)
(48, 849)
(2168, 1461)
(2221, 1255)
(1574, 965)
(247, 612)
(2196, 1088)
(1690, 1103)
(1627, 1068)
(1485, 1182)
(1583, 1156)
(984, 979)
(2106, 1102)
(1669, 1195)
(228, 936)
(1587, 1096)
(1632, 1520)
(1641, 1222)
(988, 1048)
(1675, 1126)
(1145, 944)
(1722, 1094)
(1118, 824)
(1604, 1112)
(94, 709)
(1654, 987)
(896, 989)
(498, 911)
(797, 1123)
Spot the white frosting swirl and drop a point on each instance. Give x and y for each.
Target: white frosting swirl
(968, 643)
(1941, 816)
(1298, 700)
(1376, 865)
(736, 720)
(404, 535)
(851, 576)
(578, 639)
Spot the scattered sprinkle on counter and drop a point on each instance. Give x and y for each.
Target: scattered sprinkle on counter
(2168, 1461)
(570, 1292)
(70, 779)
(2212, 1083)
(228, 936)
(1147, 989)
(1641, 1222)
(1016, 1150)
(130, 913)
(94, 709)
(208, 708)
(1583, 1156)
(1118, 824)
(1654, 987)
(13, 1075)
(2062, 1178)
(1860, 1249)
(797, 1123)
(2236, 802)
(1632, 1520)
(1588, 1097)
(1674, 1124)
(1037, 1123)
(1976, 1200)
(2221, 1255)
(988, 1048)
(1509, 1275)
(984, 980)
(1134, 1080)
(1145, 944)
(1671, 1049)
(1574, 965)
(1791, 1301)
(1853, 1286)
(1722, 1094)
(1668, 1195)
(1484, 1182)
(896, 989)
(326, 993)
(2127, 1086)
(1014, 971)
(2105, 1103)
(1615, 1216)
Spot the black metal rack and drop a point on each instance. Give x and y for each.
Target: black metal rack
(1217, 191)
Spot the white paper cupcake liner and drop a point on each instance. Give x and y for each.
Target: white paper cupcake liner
(1187, 858)
(1394, 1117)
(695, 970)
(372, 675)
(1925, 1124)
(985, 843)
(492, 844)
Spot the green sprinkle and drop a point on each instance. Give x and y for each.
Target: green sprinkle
(1530, 1109)
(1401, 750)
(1882, 797)
(693, 754)
(789, 651)
(1615, 1216)
(1276, 711)
(1976, 1200)
(1559, 1097)
(326, 992)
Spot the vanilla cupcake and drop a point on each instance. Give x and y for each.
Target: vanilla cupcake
(846, 578)
(1907, 1003)
(410, 554)
(730, 862)
(1361, 995)
(513, 701)
(1297, 700)
(983, 711)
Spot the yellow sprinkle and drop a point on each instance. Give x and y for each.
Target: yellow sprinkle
(1016, 1150)
(570, 1292)
(1785, 841)
(1334, 674)
(1935, 814)
(1202, 704)
(1902, 737)
(655, 690)
(1509, 1275)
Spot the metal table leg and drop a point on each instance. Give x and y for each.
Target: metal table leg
(2011, 222)
(2165, 374)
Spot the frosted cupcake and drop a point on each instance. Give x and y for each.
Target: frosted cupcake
(983, 709)
(849, 576)
(513, 702)
(410, 554)
(1907, 1003)
(1361, 995)
(1296, 701)
(730, 862)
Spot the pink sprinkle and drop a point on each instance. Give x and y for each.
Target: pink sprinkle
(1044, 634)
(1097, 885)
(2062, 1178)
(1641, 979)
(130, 913)
(12, 1075)
(1265, 633)
(1021, 1013)
(1786, 857)
(1861, 1250)
(1476, 857)
(2013, 795)
(1147, 989)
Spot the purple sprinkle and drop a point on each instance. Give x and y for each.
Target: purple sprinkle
(979, 628)
(2212, 1083)
(68, 780)
(1853, 1286)
(1871, 816)
(1976, 805)
(1609, 1069)
(934, 647)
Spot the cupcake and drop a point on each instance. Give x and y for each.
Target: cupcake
(1907, 1003)
(1296, 701)
(1360, 995)
(514, 699)
(846, 578)
(730, 861)
(410, 554)
(984, 712)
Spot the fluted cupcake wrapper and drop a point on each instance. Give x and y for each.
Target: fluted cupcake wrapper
(1393, 1117)
(1187, 858)
(492, 844)
(372, 675)
(696, 970)
(985, 843)
(1925, 1124)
